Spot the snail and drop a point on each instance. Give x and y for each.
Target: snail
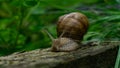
(70, 31)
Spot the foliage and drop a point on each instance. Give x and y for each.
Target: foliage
(22, 23)
(117, 64)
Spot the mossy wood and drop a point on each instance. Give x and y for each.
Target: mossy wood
(99, 56)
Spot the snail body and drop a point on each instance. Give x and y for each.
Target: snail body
(64, 44)
(70, 30)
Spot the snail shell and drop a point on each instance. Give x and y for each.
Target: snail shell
(74, 25)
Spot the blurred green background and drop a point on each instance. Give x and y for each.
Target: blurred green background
(22, 21)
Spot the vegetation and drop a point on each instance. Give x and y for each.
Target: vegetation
(22, 21)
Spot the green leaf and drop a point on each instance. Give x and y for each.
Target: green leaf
(118, 1)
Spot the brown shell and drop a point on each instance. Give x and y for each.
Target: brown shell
(74, 25)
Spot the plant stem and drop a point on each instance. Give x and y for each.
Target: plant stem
(117, 64)
(20, 19)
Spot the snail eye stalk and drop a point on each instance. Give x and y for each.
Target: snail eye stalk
(51, 37)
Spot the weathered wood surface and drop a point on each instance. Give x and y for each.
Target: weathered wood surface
(99, 56)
